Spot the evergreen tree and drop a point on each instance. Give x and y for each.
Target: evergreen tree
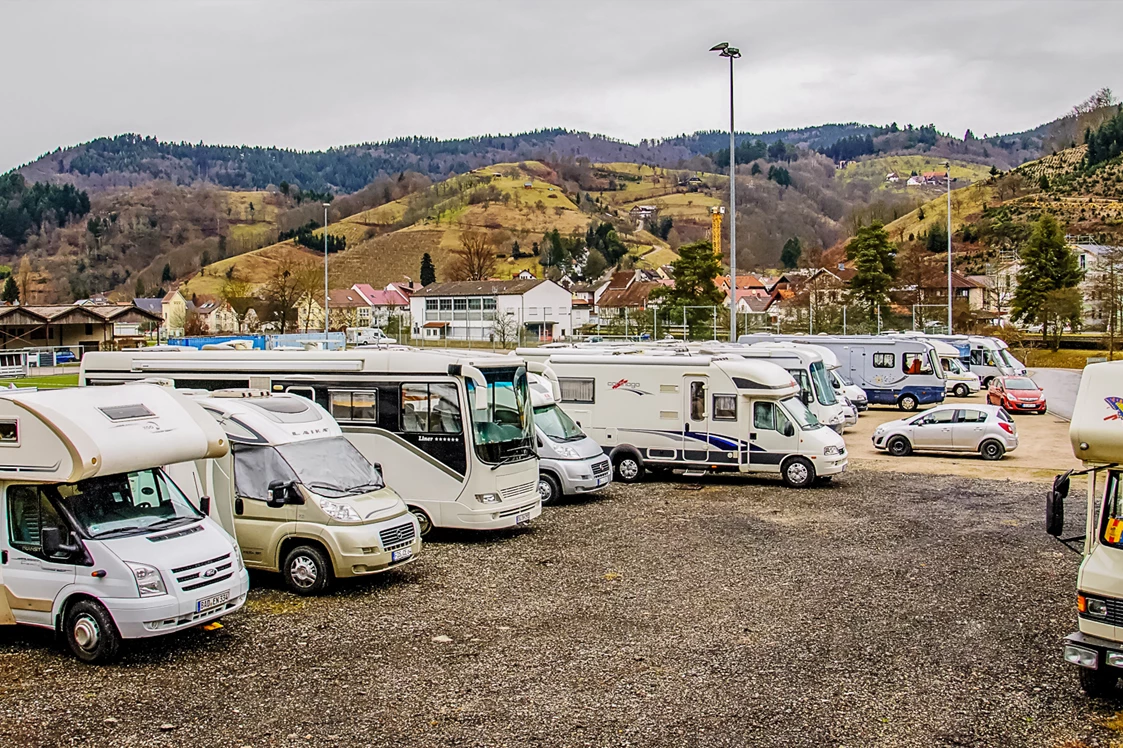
(1047, 265)
(875, 266)
(695, 273)
(428, 270)
(755, 170)
(789, 255)
(10, 294)
(1043, 183)
(516, 250)
(166, 276)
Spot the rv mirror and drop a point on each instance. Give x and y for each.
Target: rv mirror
(205, 505)
(279, 492)
(377, 467)
(807, 397)
(51, 540)
(1055, 505)
(788, 430)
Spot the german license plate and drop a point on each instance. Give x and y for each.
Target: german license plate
(212, 602)
(401, 554)
(522, 519)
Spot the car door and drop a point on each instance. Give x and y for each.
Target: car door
(33, 579)
(934, 430)
(968, 430)
(772, 436)
(994, 394)
(259, 527)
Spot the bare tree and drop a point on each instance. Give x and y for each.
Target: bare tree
(284, 289)
(1106, 286)
(505, 330)
(475, 260)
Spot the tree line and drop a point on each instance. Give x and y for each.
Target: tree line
(23, 209)
(1105, 142)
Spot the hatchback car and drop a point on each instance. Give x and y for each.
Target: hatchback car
(985, 429)
(1016, 394)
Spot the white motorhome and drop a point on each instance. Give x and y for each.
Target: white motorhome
(368, 336)
(569, 462)
(97, 542)
(452, 430)
(961, 381)
(300, 499)
(698, 414)
(1096, 434)
(986, 356)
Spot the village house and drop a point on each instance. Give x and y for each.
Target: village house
(500, 310)
(385, 304)
(215, 315)
(626, 291)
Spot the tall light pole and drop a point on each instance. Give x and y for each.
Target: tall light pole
(724, 50)
(326, 271)
(947, 169)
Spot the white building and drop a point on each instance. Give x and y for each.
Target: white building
(492, 309)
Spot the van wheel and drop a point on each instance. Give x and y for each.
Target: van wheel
(899, 446)
(908, 402)
(798, 472)
(961, 390)
(306, 570)
(424, 524)
(1100, 683)
(629, 469)
(985, 384)
(549, 490)
(91, 633)
(991, 450)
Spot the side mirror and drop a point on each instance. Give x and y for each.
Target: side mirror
(788, 430)
(807, 397)
(377, 467)
(279, 493)
(205, 505)
(50, 538)
(1055, 505)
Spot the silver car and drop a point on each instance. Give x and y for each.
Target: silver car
(986, 429)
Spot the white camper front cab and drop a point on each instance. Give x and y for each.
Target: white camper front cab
(1096, 433)
(97, 542)
(569, 462)
(698, 414)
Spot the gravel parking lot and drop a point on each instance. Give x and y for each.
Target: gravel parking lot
(884, 610)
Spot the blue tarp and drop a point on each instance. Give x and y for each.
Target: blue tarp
(257, 340)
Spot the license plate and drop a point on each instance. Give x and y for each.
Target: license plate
(600, 482)
(522, 519)
(401, 554)
(212, 602)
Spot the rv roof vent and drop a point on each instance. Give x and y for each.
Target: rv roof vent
(126, 412)
(240, 392)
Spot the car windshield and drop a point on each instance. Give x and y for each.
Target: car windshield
(126, 504)
(556, 424)
(800, 413)
(503, 430)
(1020, 383)
(823, 390)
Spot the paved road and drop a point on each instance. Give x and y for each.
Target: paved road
(1060, 387)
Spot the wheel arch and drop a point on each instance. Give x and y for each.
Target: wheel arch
(292, 541)
(625, 449)
(66, 600)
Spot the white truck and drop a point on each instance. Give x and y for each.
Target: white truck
(98, 543)
(569, 462)
(300, 499)
(1096, 433)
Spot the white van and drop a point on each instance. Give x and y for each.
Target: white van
(368, 336)
(1096, 434)
(569, 462)
(986, 356)
(698, 414)
(98, 543)
(300, 499)
(962, 382)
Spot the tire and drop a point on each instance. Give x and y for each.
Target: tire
(424, 524)
(961, 390)
(90, 632)
(798, 472)
(899, 446)
(992, 450)
(1100, 683)
(908, 402)
(307, 570)
(629, 468)
(986, 383)
(549, 489)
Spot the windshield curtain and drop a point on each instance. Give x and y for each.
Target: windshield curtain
(126, 504)
(505, 428)
(800, 413)
(330, 467)
(823, 390)
(556, 424)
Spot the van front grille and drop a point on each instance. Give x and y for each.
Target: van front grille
(395, 536)
(517, 510)
(601, 469)
(204, 573)
(512, 492)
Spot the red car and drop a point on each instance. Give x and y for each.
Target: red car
(1016, 395)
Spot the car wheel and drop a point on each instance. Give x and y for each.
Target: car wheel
(961, 390)
(1099, 683)
(549, 490)
(798, 472)
(306, 570)
(992, 450)
(629, 469)
(899, 446)
(986, 382)
(424, 524)
(908, 402)
(90, 632)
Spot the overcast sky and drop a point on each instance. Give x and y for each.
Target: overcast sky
(310, 75)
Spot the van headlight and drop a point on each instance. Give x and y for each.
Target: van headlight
(566, 453)
(339, 512)
(831, 450)
(149, 583)
(488, 498)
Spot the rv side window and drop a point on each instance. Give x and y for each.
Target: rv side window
(577, 390)
(354, 406)
(915, 363)
(697, 401)
(431, 409)
(884, 360)
(725, 407)
(29, 512)
(1111, 529)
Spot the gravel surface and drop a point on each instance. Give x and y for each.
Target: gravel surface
(884, 610)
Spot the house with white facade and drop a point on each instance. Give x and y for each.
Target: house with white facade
(385, 303)
(500, 310)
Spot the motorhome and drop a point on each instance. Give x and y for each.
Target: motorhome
(891, 370)
(98, 543)
(569, 462)
(452, 430)
(986, 356)
(961, 381)
(698, 414)
(299, 498)
(368, 336)
(1096, 434)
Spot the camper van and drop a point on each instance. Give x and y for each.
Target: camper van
(569, 462)
(452, 430)
(1096, 434)
(986, 356)
(299, 498)
(893, 371)
(98, 543)
(698, 414)
(367, 336)
(961, 381)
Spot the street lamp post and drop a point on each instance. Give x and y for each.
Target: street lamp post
(724, 50)
(326, 271)
(947, 168)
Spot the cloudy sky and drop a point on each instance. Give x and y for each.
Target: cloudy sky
(310, 75)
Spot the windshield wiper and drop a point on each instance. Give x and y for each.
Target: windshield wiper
(514, 456)
(119, 532)
(329, 487)
(170, 520)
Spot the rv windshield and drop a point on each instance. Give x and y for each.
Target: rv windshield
(800, 413)
(823, 389)
(839, 380)
(1004, 356)
(126, 504)
(504, 430)
(556, 424)
(952, 365)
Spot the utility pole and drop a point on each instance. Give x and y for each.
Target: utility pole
(947, 167)
(326, 315)
(732, 53)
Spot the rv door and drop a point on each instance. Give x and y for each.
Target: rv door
(696, 421)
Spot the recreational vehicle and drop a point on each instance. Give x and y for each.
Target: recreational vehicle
(299, 498)
(1096, 434)
(961, 381)
(986, 356)
(453, 431)
(698, 414)
(892, 370)
(569, 462)
(97, 542)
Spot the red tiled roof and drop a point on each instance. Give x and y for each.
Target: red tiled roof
(634, 296)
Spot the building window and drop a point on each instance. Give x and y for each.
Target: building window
(1083, 262)
(446, 305)
(884, 360)
(489, 303)
(89, 329)
(459, 304)
(474, 304)
(430, 305)
(349, 405)
(577, 390)
(725, 407)
(547, 311)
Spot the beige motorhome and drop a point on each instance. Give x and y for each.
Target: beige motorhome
(300, 499)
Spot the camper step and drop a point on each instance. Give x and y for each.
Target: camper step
(693, 473)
